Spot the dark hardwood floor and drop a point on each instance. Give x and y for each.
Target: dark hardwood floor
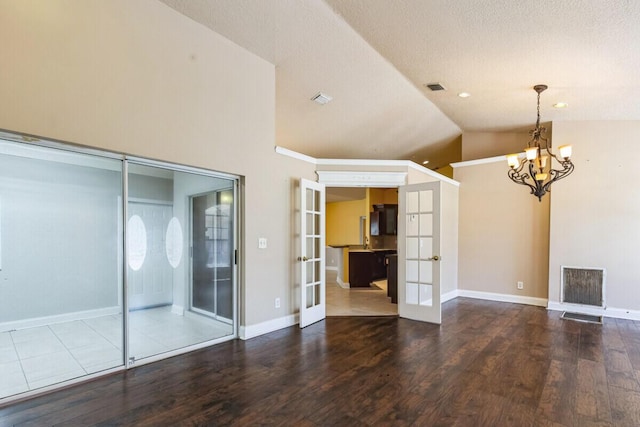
(488, 364)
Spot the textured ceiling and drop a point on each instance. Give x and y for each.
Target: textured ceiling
(374, 57)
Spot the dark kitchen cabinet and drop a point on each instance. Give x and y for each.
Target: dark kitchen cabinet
(392, 277)
(384, 220)
(366, 266)
(360, 267)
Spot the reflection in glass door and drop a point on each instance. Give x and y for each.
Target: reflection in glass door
(213, 253)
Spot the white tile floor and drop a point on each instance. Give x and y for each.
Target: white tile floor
(358, 301)
(45, 355)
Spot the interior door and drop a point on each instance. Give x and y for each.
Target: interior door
(312, 258)
(419, 252)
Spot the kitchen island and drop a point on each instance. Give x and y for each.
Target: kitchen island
(367, 265)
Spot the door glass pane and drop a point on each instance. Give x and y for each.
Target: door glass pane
(183, 292)
(413, 293)
(426, 201)
(310, 272)
(316, 247)
(316, 201)
(61, 301)
(310, 200)
(426, 247)
(412, 271)
(412, 247)
(311, 224)
(316, 294)
(316, 269)
(426, 224)
(426, 295)
(412, 224)
(413, 205)
(313, 247)
(310, 296)
(426, 272)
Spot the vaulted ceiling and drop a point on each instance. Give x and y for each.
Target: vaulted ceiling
(374, 58)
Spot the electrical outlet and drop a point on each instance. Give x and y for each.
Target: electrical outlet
(277, 302)
(520, 285)
(262, 243)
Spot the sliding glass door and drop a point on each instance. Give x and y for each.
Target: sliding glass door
(61, 299)
(171, 306)
(107, 261)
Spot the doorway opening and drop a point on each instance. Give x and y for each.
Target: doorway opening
(361, 251)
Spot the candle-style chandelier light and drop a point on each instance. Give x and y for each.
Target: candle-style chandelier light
(538, 158)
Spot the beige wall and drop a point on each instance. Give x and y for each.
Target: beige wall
(449, 240)
(481, 145)
(503, 233)
(139, 78)
(595, 212)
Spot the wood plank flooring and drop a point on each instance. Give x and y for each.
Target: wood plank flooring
(488, 364)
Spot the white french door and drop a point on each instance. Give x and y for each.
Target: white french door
(419, 252)
(312, 259)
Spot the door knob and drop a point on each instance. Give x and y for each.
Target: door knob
(303, 258)
(434, 258)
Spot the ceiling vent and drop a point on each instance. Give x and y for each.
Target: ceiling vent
(321, 98)
(435, 86)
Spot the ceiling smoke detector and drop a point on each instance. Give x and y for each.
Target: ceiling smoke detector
(435, 86)
(321, 98)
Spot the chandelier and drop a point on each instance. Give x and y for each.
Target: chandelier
(539, 174)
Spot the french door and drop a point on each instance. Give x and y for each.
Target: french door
(419, 252)
(312, 258)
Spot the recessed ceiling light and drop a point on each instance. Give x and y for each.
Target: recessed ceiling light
(425, 162)
(560, 105)
(464, 94)
(321, 98)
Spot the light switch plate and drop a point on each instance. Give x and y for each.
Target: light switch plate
(262, 243)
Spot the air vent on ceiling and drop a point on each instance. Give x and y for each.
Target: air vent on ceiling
(321, 98)
(435, 86)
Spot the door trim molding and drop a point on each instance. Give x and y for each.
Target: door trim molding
(361, 179)
(365, 162)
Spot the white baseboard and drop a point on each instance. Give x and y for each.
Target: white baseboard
(251, 331)
(343, 285)
(449, 296)
(617, 313)
(541, 302)
(58, 318)
(177, 309)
